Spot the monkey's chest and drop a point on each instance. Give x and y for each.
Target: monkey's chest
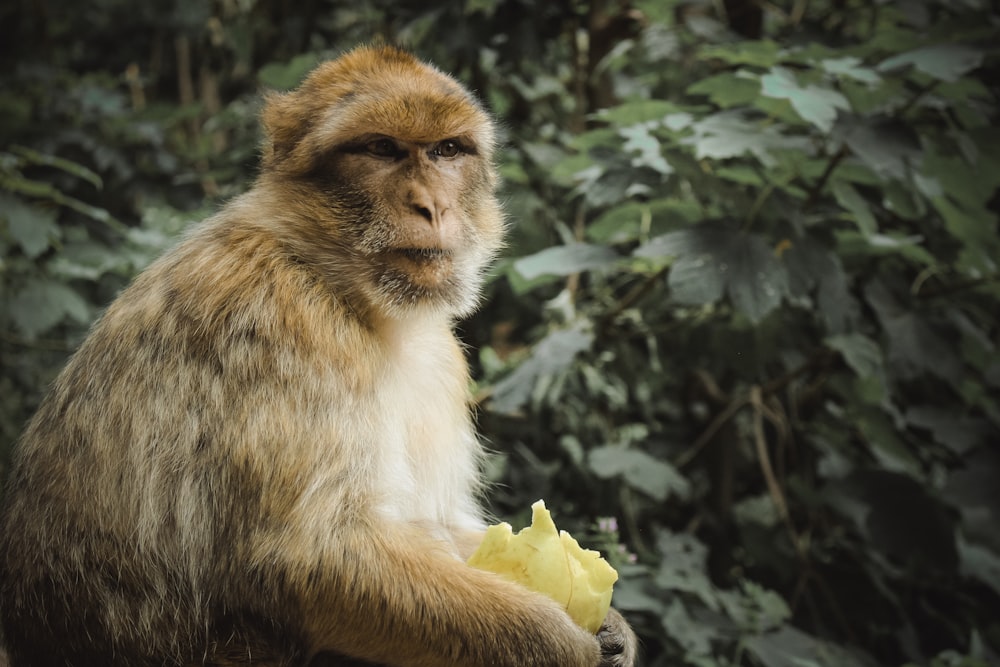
(427, 456)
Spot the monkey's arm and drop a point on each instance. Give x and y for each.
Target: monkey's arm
(393, 597)
(466, 542)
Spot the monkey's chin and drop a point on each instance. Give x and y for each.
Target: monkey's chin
(424, 268)
(427, 279)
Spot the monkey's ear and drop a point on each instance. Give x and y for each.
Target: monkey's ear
(286, 120)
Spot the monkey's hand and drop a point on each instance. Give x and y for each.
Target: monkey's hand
(618, 641)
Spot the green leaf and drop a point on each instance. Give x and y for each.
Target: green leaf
(813, 266)
(868, 99)
(883, 438)
(42, 304)
(70, 167)
(605, 187)
(901, 198)
(567, 171)
(741, 173)
(87, 261)
(946, 62)
(886, 146)
(694, 249)
(728, 89)
(971, 177)
(759, 510)
(848, 197)
(551, 355)
(287, 75)
(972, 489)
(691, 634)
(637, 111)
(621, 223)
(976, 230)
(959, 433)
(762, 53)
(658, 479)
(914, 344)
(488, 7)
(543, 154)
(43, 190)
(633, 220)
(754, 608)
(31, 227)
(601, 137)
(837, 306)
(814, 104)
(730, 134)
(789, 647)
(980, 563)
(565, 260)
(697, 280)
(676, 122)
(757, 281)
(910, 247)
(861, 353)
(639, 140)
(712, 259)
(684, 567)
(633, 594)
(851, 67)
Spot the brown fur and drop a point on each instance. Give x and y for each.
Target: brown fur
(262, 453)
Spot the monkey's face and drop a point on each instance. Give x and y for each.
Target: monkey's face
(423, 221)
(398, 157)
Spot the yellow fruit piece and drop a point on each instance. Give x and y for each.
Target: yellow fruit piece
(550, 562)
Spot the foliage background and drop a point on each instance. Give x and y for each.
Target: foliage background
(749, 307)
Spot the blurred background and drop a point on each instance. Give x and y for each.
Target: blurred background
(744, 338)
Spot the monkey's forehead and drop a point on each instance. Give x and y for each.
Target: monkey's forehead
(418, 118)
(387, 91)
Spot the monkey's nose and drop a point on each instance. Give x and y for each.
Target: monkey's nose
(426, 212)
(422, 203)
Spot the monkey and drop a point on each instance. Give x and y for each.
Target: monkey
(263, 452)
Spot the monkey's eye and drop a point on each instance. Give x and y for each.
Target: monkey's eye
(447, 148)
(383, 148)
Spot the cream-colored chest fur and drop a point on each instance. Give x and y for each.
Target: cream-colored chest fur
(428, 457)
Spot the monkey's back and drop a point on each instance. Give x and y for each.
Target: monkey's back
(134, 488)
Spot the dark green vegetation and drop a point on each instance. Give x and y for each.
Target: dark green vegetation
(750, 307)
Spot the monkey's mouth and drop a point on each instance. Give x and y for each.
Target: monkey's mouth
(421, 256)
(428, 268)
